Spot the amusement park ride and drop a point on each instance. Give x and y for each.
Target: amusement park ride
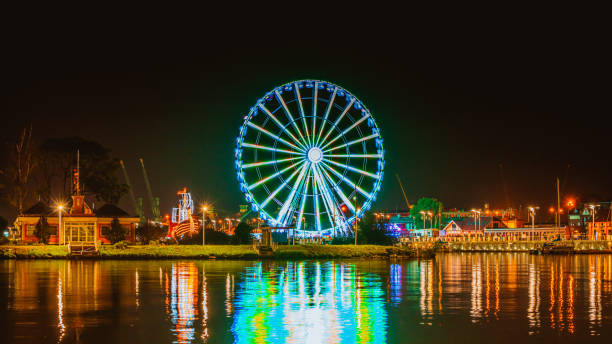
(309, 156)
(182, 221)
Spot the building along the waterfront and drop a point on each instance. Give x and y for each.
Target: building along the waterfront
(79, 224)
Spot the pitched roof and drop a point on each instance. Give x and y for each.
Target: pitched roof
(473, 224)
(110, 210)
(39, 208)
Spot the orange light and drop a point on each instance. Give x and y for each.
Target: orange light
(552, 210)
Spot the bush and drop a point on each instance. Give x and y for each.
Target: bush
(343, 240)
(116, 233)
(212, 237)
(121, 245)
(371, 232)
(147, 231)
(242, 234)
(168, 241)
(42, 230)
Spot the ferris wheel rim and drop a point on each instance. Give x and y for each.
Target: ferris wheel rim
(292, 148)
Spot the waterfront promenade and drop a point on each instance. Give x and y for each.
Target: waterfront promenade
(465, 245)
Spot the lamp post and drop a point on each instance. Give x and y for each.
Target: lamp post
(59, 228)
(204, 209)
(532, 215)
(476, 216)
(593, 221)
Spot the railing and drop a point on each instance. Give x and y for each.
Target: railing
(83, 248)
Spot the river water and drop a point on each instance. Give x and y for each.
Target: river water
(454, 298)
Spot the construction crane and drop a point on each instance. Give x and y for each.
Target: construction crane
(153, 200)
(137, 205)
(403, 191)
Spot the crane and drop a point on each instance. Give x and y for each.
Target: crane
(153, 200)
(137, 205)
(403, 191)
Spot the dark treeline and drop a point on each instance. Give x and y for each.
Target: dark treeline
(45, 170)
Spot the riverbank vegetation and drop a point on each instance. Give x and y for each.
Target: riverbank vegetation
(156, 251)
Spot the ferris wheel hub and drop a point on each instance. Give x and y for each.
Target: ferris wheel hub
(315, 155)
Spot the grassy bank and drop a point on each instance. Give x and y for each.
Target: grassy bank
(34, 252)
(218, 252)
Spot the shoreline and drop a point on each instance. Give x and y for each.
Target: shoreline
(219, 252)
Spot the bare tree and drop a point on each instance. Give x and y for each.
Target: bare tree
(21, 165)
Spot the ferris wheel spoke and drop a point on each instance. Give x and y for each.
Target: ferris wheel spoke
(278, 189)
(288, 114)
(263, 163)
(290, 199)
(338, 120)
(348, 181)
(256, 127)
(304, 197)
(351, 168)
(347, 130)
(301, 108)
(263, 180)
(365, 138)
(345, 199)
(329, 106)
(315, 94)
(280, 125)
(362, 156)
(252, 145)
(327, 199)
(316, 201)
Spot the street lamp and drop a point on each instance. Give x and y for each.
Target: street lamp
(476, 216)
(593, 223)
(204, 209)
(532, 215)
(60, 208)
(423, 215)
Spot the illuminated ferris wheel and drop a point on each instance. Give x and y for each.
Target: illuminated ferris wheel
(310, 156)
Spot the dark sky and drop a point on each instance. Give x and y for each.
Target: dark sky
(453, 100)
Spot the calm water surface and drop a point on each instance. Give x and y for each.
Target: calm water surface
(454, 298)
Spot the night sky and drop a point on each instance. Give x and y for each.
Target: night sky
(452, 102)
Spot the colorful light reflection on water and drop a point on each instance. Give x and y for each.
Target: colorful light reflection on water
(309, 302)
(465, 297)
